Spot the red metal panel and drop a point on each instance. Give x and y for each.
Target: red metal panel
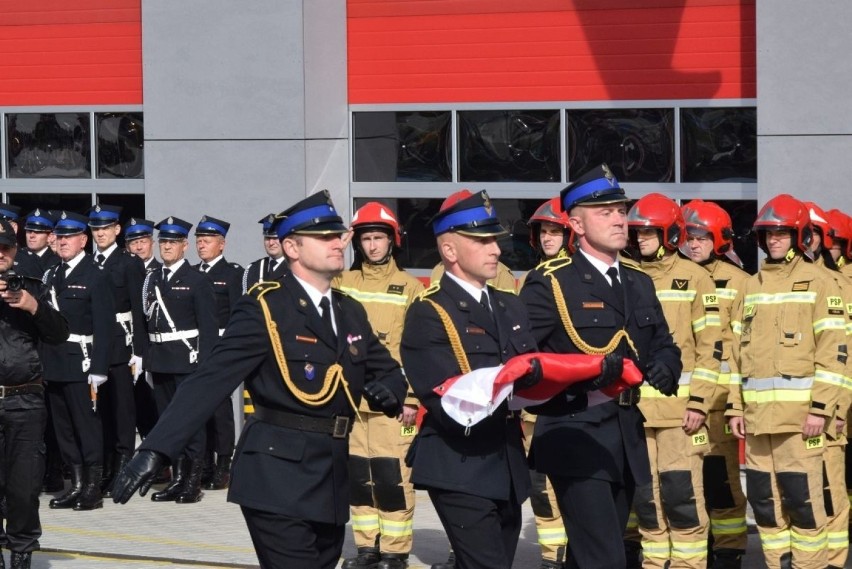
(55, 52)
(411, 51)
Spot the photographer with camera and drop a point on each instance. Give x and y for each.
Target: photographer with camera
(25, 318)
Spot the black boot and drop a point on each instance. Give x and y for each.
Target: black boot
(393, 561)
(175, 487)
(450, 563)
(367, 558)
(21, 560)
(69, 498)
(121, 461)
(209, 470)
(91, 497)
(192, 487)
(728, 558)
(164, 476)
(222, 475)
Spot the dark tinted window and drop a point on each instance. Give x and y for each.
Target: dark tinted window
(419, 249)
(719, 145)
(509, 146)
(120, 145)
(48, 145)
(638, 144)
(402, 146)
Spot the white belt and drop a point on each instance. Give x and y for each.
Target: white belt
(221, 331)
(79, 339)
(124, 317)
(160, 337)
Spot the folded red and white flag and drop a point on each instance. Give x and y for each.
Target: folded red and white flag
(471, 397)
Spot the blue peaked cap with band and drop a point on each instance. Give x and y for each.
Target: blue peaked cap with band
(138, 228)
(39, 220)
(469, 214)
(70, 223)
(595, 187)
(173, 229)
(212, 226)
(314, 215)
(9, 212)
(104, 215)
(270, 224)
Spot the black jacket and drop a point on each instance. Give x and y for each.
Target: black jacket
(488, 461)
(595, 442)
(126, 272)
(258, 271)
(226, 279)
(299, 474)
(20, 333)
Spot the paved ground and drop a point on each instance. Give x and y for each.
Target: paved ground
(211, 534)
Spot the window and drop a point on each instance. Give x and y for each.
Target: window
(120, 142)
(509, 146)
(718, 144)
(48, 145)
(637, 144)
(410, 146)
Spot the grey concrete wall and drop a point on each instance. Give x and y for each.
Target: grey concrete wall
(804, 77)
(245, 110)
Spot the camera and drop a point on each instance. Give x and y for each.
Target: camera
(14, 281)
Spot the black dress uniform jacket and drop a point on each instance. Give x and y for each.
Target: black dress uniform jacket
(226, 279)
(191, 304)
(594, 443)
(489, 460)
(28, 264)
(299, 474)
(126, 273)
(259, 270)
(87, 303)
(154, 265)
(47, 260)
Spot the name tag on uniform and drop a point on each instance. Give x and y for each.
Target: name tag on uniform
(475, 330)
(699, 439)
(598, 305)
(180, 288)
(220, 283)
(408, 431)
(814, 442)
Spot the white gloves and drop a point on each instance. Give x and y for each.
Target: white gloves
(96, 380)
(135, 364)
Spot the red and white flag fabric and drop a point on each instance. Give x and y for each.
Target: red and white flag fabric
(471, 397)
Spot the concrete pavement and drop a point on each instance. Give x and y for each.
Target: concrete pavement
(212, 534)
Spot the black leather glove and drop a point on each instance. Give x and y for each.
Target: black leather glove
(661, 378)
(611, 368)
(531, 378)
(381, 398)
(139, 474)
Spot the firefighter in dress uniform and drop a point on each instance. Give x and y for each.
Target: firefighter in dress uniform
(273, 265)
(307, 353)
(26, 262)
(709, 242)
(790, 365)
(126, 274)
(836, 497)
(595, 302)
(477, 477)
(226, 278)
(551, 238)
(181, 310)
(382, 496)
(75, 370)
(38, 226)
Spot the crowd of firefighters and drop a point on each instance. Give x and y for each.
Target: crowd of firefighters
(764, 360)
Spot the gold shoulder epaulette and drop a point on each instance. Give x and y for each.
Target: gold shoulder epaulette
(261, 288)
(630, 263)
(433, 288)
(547, 267)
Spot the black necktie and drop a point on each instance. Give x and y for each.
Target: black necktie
(325, 307)
(59, 281)
(205, 267)
(483, 301)
(270, 262)
(612, 273)
(100, 259)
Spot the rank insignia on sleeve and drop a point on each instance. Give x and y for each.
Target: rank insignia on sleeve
(680, 284)
(801, 286)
